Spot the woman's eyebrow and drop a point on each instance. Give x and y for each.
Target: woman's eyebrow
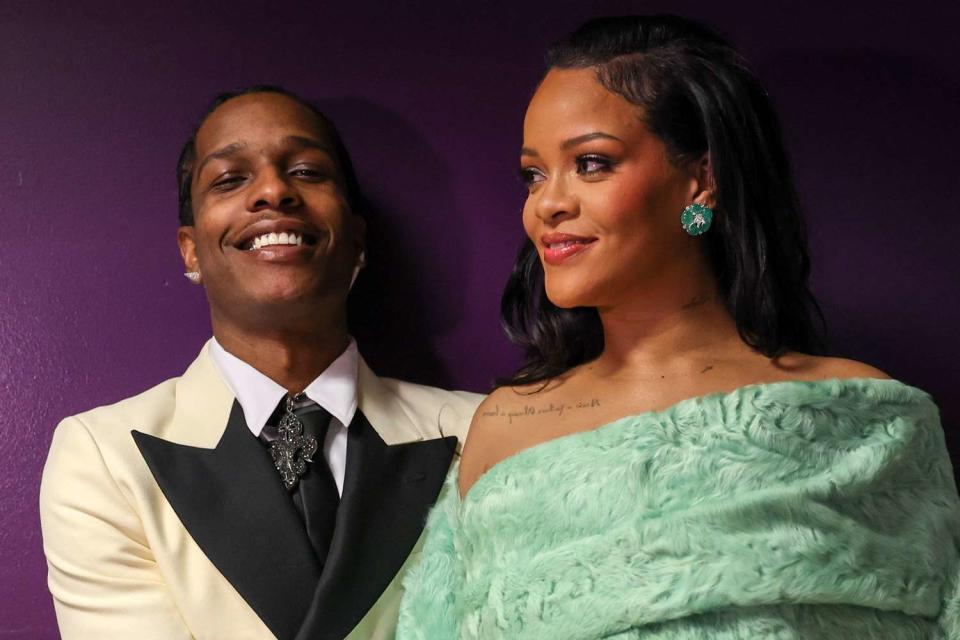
(572, 142)
(587, 137)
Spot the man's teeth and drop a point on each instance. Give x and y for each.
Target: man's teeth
(270, 239)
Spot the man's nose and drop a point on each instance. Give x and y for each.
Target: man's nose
(273, 189)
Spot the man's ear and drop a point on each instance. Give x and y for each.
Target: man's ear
(188, 248)
(360, 234)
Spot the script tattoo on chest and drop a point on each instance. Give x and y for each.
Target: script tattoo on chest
(530, 410)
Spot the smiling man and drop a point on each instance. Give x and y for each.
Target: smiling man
(278, 487)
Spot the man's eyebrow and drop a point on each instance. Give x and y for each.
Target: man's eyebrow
(587, 137)
(235, 147)
(310, 143)
(222, 152)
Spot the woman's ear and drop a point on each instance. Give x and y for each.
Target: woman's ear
(188, 248)
(703, 185)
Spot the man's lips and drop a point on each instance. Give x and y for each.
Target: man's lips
(279, 253)
(560, 247)
(276, 234)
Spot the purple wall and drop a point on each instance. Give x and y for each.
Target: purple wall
(95, 102)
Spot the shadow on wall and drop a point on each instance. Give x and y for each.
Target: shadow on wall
(873, 136)
(408, 295)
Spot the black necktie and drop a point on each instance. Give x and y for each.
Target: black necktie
(315, 495)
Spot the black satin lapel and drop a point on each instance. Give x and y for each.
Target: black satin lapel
(232, 502)
(388, 491)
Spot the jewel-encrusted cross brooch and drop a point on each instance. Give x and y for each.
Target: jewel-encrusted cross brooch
(291, 450)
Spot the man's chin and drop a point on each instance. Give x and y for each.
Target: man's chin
(269, 296)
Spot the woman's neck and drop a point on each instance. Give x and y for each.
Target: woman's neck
(671, 334)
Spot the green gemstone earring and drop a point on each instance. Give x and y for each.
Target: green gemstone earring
(696, 218)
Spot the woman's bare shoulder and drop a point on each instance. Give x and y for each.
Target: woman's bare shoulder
(493, 429)
(808, 367)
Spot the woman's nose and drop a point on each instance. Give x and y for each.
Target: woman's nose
(272, 190)
(556, 202)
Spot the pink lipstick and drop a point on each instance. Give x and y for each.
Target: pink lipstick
(560, 247)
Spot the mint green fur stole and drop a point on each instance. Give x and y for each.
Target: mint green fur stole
(794, 510)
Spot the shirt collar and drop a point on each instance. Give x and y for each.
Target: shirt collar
(335, 389)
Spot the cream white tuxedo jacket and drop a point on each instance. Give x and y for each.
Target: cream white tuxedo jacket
(163, 517)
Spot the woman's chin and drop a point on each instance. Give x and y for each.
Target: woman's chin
(569, 298)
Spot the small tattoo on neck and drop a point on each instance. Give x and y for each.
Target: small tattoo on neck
(527, 410)
(697, 301)
(709, 367)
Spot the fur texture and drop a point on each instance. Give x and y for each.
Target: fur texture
(784, 511)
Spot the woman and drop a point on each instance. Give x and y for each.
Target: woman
(738, 486)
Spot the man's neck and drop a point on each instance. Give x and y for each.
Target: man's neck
(292, 359)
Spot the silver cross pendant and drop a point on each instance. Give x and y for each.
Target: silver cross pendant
(291, 450)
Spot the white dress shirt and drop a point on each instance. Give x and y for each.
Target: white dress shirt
(335, 390)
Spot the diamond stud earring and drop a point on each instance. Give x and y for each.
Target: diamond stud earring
(192, 276)
(361, 263)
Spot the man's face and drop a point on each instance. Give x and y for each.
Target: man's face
(273, 236)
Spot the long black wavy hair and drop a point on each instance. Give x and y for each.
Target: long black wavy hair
(696, 93)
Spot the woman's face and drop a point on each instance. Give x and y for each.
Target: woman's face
(271, 223)
(604, 200)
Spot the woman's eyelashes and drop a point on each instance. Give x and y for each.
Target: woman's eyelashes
(589, 165)
(530, 176)
(593, 164)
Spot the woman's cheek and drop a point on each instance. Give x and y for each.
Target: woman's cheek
(528, 220)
